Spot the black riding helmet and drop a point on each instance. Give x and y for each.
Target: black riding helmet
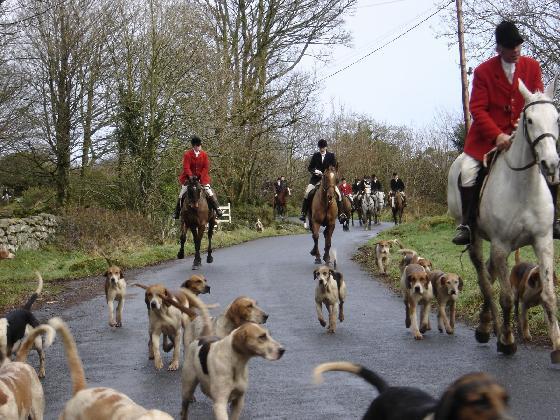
(322, 143)
(195, 141)
(507, 35)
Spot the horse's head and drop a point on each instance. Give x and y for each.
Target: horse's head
(540, 126)
(328, 183)
(194, 190)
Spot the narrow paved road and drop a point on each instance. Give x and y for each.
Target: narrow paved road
(278, 273)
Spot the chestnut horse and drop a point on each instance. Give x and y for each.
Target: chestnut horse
(347, 210)
(279, 205)
(323, 212)
(397, 207)
(195, 215)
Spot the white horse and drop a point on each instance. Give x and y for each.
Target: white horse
(369, 206)
(516, 210)
(380, 198)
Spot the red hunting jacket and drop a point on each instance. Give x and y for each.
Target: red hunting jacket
(345, 189)
(195, 166)
(496, 104)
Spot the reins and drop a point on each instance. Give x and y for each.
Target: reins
(532, 143)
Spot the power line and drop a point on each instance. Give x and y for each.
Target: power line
(382, 3)
(387, 43)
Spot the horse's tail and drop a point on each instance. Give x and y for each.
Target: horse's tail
(517, 258)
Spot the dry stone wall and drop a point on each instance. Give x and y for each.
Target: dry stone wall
(28, 233)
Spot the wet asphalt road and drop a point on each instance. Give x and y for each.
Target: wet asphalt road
(278, 273)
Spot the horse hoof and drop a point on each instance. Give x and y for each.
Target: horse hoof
(180, 255)
(209, 259)
(481, 336)
(555, 356)
(507, 349)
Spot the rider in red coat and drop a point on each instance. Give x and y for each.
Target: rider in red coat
(495, 106)
(197, 164)
(345, 188)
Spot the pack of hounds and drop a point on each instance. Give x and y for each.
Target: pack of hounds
(216, 350)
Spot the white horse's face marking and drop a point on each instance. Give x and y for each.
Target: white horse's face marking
(541, 119)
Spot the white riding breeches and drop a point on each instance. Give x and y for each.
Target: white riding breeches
(206, 187)
(310, 188)
(469, 170)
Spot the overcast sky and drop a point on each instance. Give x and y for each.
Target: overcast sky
(406, 82)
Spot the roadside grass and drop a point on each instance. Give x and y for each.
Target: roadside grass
(431, 238)
(17, 278)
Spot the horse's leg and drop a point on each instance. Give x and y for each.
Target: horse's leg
(328, 235)
(506, 341)
(394, 210)
(544, 250)
(489, 311)
(196, 231)
(209, 257)
(183, 239)
(315, 234)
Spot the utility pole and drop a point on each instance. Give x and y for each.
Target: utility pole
(463, 62)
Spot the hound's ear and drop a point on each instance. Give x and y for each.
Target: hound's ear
(122, 273)
(166, 293)
(337, 276)
(442, 279)
(106, 273)
(332, 272)
(315, 274)
(460, 284)
(407, 281)
(146, 300)
(533, 279)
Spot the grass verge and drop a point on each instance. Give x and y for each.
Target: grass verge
(431, 238)
(17, 279)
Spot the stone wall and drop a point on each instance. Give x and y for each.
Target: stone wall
(29, 233)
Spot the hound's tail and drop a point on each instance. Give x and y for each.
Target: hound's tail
(74, 361)
(3, 339)
(405, 251)
(517, 257)
(35, 295)
(366, 374)
(46, 329)
(207, 329)
(397, 242)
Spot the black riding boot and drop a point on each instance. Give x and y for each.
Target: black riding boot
(555, 222)
(177, 212)
(213, 201)
(341, 216)
(304, 205)
(468, 207)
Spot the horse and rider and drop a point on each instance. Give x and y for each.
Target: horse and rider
(197, 205)
(514, 204)
(281, 193)
(347, 202)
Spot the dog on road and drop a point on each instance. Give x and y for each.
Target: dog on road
(472, 396)
(446, 287)
(331, 292)
(115, 289)
(382, 251)
(417, 290)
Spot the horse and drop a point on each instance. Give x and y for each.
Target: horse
(357, 207)
(380, 204)
(347, 210)
(369, 206)
(195, 215)
(516, 210)
(397, 207)
(323, 212)
(280, 200)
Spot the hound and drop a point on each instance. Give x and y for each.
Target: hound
(259, 226)
(527, 287)
(165, 317)
(382, 249)
(96, 403)
(330, 291)
(446, 287)
(5, 254)
(115, 289)
(459, 401)
(21, 392)
(409, 256)
(242, 310)
(220, 365)
(20, 322)
(417, 290)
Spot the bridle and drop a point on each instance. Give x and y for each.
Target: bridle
(326, 188)
(193, 187)
(532, 143)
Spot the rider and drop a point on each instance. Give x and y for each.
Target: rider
(345, 189)
(495, 106)
(197, 164)
(320, 162)
(281, 184)
(397, 185)
(376, 184)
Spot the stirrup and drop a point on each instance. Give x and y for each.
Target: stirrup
(463, 236)
(302, 217)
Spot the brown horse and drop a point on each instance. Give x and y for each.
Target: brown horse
(195, 214)
(279, 205)
(323, 212)
(397, 207)
(347, 210)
